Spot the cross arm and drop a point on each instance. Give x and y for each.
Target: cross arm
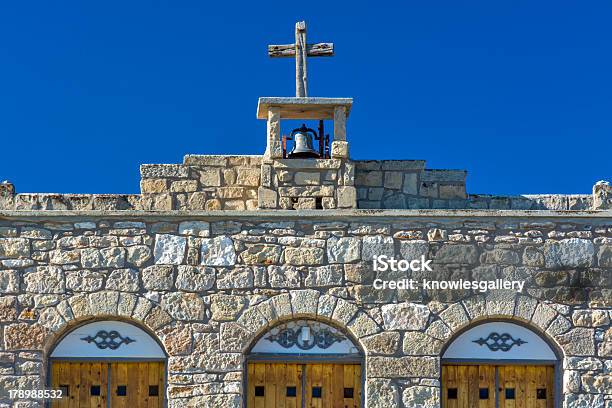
(312, 50)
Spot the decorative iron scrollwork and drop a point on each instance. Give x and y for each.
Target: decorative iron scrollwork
(496, 341)
(108, 340)
(322, 338)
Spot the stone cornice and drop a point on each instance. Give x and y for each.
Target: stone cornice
(329, 215)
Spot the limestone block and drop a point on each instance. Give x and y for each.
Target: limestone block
(252, 320)
(234, 337)
(9, 282)
(309, 191)
(405, 316)
(126, 280)
(266, 175)
(569, 253)
(285, 276)
(577, 342)
(84, 281)
(385, 343)
(322, 276)
(452, 191)
(421, 344)
(266, 198)
(591, 318)
(325, 308)
(210, 177)
(369, 178)
(8, 309)
(344, 311)
(410, 185)
(235, 278)
(304, 256)
(346, 197)
(158, 277)
(533, 257)
(403, 367)
(24, 336)
(421, 396)
(456, 254)
(304, 302)
(307, 178)
(381, 393)
(177, 339)
(184, 186)
(169, 249)
(138, 254)
(66, 257)
(604, 255)
(340, 123)
(282, 305)
(410, 250)
(455, 316)
(248, 177)
(359, 273)
(363, 325)
(45, 279)
(584, 401)
(218, 251)
(153, 186)
(393, 180)
(343, 250)
(195, 278)
(339, 149)
(183, 306)
(305, 203)
(226, 307)
(103, 303)
(376, 245)
(14, 248)
(157, 318)
(194, 228)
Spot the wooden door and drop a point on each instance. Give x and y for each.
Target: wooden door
(291, 385)
(526, 386)
(86, 384)
(83, 384)
(468, 386)
(474, 386)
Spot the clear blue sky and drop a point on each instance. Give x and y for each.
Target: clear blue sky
(519, 93)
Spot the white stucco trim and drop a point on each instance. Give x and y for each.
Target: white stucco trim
(133, 343)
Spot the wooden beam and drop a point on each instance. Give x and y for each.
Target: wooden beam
(313, 50)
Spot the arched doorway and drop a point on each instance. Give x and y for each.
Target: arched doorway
(500, 365)
(108, 364)
(304, 363)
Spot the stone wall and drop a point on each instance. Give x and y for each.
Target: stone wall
(213, 183)
(298, 184)
(208, 287)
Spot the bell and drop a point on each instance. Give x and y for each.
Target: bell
(302, 147)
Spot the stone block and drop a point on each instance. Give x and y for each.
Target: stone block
(248, 177)
(346, 197)
(376, 245)
(393, 180)
(339, 149)
(183, 306)
(184, 186)
(195, 278)
(210, 177)
(303, 178)
(218, 251)
(304, 256)
(194, 228)
(405, 316)
(158, 277)
(266, 198)
(369, 178)
(343, 250)
(569, 253)
(322, 276)
(153, 186)
(381, 393)
(169, 249)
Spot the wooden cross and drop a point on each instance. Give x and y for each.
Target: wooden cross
(301, 50)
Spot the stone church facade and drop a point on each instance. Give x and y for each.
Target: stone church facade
(229, 277)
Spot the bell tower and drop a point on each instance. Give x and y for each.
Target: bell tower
(305, 168)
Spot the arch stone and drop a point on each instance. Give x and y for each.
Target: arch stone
(58, 320)
(298, 304)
